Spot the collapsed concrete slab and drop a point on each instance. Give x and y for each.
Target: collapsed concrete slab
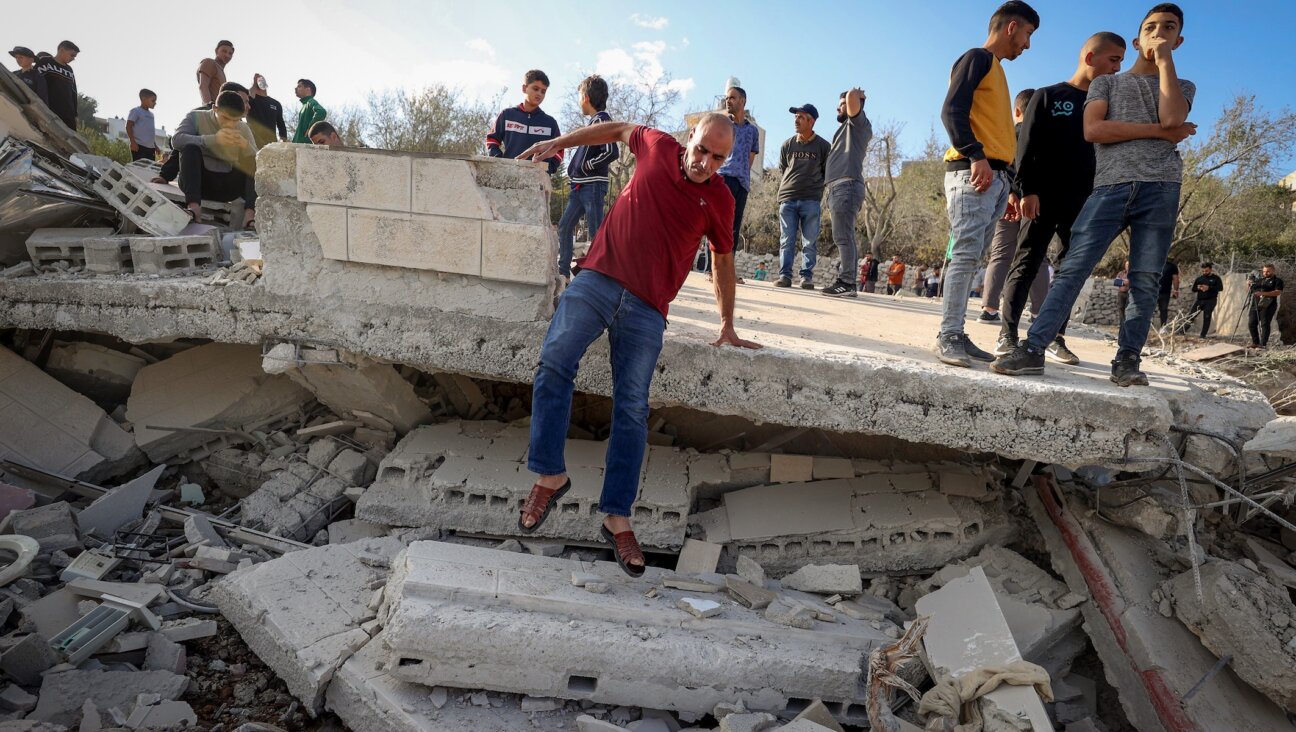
(1151, 660)
(881, 522)
(1247, 618)
(48, 426)
(471, 477)
(868, 370)
(301, 614)
(464, 616)
(348, 383)
(103, 374)
(218, 386)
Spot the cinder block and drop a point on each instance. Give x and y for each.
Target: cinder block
(109, 255)
(531, 631)
(68, 245)
(415, 241)
(447, 187)
(330, 225)
(519, 252)
(156, 255)
(138, 202)
(356, 179)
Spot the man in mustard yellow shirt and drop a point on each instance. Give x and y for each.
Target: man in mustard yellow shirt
(978, 165)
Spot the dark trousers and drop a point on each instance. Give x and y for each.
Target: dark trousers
(200, 184)
(740, 206)
(1057, 214)
(1206, 308)
(1163, 307)
(144, 153)
(1259, 322)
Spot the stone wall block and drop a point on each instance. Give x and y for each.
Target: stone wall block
(518, 252)
(330, 225)
(360, 180)
(415, 241)
(447, 187)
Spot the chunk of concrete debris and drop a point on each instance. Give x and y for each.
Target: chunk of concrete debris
(164, 654)
(52, 525)
(597, 587)
(48, 426)
(703, 583)
(697, 557)
(750, 570)
(817, 713)
(433, 582)
(1245, 616)
(586, 723)
(1276, 439)
(119, 506)
(792, 468)
(199, 531)
(15, 699)
(1277, 570)
(151, 712)
(751, 722)
(352, 467)
(748, 594)
(699, 608)
(349, 530)
(352, 383)
(27, 659)
(13, 498)
(217, 386)
(968, 632)
(784, 611)
(827, 579)
(829, 468)
(53, 612)
(63, 694)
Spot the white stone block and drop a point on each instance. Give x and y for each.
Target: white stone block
(361, 180)
(330, 225)
(415, 241)
(448, 188)
(518, 252)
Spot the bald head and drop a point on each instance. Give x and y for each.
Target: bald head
(708, 146)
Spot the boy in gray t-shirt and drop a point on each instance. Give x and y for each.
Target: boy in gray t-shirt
(1135, 119)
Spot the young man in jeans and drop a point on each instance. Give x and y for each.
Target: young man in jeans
(978, 117)
(803, 164)
(635, 267)
(587, 170)
(845, 175)
(1136, 119)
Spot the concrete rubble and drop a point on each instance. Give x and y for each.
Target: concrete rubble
(273, 479)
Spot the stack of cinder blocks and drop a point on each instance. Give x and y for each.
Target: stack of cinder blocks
(47, 246)
(138, 202)
(158, 255)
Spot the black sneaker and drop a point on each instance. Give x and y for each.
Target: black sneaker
(783, 282)
(1005, 345)
(989, 317)
(1023, 361)
(974, 352)
(1125, 372)
(1058, 351)
(840, 289)
(950, 349)
(807, 284)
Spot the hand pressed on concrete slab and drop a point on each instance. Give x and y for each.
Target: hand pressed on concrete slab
(729, 337)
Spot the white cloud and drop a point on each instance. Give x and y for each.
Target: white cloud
(647, 21)
(641, 64)
(481, 45)
(479, 80)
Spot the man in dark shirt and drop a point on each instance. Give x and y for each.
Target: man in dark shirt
(61, 80)
(1055, 171)
(636, 265)
(28, 73)
(803, 167)
(869, 274)
(1264, 295)
(265, 114)
(1169, 289)
(1207, 288)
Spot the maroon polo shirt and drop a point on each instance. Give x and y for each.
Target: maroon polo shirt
(649, 240)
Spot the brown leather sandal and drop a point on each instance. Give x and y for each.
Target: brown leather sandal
(538, 503)
(626, 548)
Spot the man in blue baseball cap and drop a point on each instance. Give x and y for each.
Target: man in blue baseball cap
(803, 162)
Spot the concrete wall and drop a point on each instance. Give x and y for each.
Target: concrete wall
(451, 233)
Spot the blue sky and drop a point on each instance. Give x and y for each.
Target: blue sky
(784, 53)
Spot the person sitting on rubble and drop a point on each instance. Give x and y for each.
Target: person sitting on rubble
(171, 166)
(635, 267)
(27, 72)
(217, 157)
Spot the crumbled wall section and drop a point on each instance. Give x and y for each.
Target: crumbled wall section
(430, 213)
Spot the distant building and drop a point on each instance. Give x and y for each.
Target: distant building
(114, 128)
(1289, 182)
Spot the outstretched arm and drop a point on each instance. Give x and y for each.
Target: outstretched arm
(725, 280)
(599, 134)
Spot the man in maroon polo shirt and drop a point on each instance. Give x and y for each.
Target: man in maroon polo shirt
(636, 265)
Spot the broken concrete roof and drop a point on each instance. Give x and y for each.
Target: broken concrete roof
(849, 366)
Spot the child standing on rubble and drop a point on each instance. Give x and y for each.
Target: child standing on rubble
(1136, 119)
(518, 128)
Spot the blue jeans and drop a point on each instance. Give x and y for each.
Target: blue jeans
(1149, 210)
(586, 200)
(595, 303)
(972, 216)
(794, 216)
(844, 202)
